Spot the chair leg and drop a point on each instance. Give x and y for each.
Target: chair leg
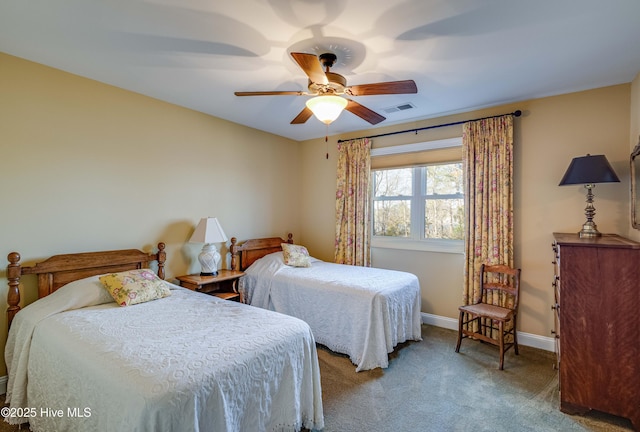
(515, 336)
(488, 327)
(460, 319)
(501, 330)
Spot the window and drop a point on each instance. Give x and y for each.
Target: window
(392, 197)
(419, 203)
(444, 201)
(418, 196)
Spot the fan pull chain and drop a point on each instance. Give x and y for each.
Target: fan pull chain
(326, 141)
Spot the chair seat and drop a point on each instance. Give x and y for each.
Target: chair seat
(488, 311)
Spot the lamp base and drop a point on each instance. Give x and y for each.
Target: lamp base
(589, 230)
(209, 259)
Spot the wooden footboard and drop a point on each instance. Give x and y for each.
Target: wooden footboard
(254, 249)
(62, 269)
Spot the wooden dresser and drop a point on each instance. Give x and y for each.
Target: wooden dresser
(597, 294)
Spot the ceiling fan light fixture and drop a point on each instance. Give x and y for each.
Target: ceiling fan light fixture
(326, 108)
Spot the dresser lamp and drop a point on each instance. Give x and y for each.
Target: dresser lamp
(208, 232)
(589, 170)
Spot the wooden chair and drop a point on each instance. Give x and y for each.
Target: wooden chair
(479, 320)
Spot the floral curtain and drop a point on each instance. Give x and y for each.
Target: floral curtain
(487, 146)
(353, 218)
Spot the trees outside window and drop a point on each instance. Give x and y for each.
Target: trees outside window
(420, 202)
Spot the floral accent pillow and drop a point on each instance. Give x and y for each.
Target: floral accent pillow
(295, 255)
(135, 286)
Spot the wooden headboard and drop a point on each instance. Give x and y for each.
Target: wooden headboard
(62, 269)
(254, 249)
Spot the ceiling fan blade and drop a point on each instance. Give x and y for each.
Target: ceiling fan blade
(391, 87)
(271, 93)
(303, 116)
(311, 66)
(363, 112)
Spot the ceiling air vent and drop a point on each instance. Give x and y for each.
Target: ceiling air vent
(398, 108)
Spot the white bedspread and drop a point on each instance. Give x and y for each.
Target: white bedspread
(188, 362)
(363, 312)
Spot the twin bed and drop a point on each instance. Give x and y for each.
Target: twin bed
(186, 362)
(362, 312)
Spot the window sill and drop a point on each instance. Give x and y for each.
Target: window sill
(442, 246)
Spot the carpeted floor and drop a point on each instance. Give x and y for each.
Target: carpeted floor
(429, 387)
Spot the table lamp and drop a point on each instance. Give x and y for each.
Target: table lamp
(589, 170)
(208, 232)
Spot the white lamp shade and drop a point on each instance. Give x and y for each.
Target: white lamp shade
(208, 231)
(326, 108)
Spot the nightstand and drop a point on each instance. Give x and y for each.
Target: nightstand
(224, 285)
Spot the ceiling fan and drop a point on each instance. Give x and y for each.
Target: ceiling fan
(328, 86)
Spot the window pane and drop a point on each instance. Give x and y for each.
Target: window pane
(393, 182)
(444, 179)
(444, 219)
(392, 218)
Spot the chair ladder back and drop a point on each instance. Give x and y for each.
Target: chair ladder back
(508, 283)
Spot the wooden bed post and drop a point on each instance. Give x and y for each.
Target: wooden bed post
(161, 256)
(13, 295)
(234, 253)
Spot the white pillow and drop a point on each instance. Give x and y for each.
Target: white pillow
(74, 295)
(90, 290)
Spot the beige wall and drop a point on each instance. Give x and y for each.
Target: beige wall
(86, 166)
(551, 132)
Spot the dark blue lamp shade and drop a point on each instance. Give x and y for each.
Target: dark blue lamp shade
(589, 170)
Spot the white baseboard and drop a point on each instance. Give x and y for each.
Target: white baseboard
(526, 339)
(3, 385)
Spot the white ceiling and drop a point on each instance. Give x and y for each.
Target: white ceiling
(462, 54)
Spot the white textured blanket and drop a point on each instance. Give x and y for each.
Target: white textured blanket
(188, 362)
(363, 312)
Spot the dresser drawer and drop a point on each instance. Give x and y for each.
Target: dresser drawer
(556, 318)
(556, 301)
(556, 332)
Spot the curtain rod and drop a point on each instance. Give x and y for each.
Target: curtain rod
(516, 113)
